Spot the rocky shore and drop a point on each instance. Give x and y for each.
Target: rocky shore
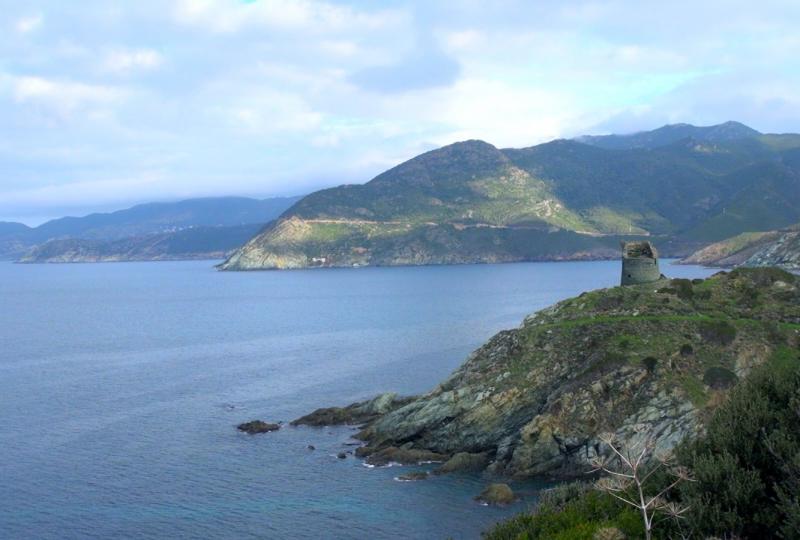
(648, 360)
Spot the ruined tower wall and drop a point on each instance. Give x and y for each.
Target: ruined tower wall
(639, 270)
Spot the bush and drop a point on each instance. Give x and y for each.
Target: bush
(719, 378)
(747, 466)
(683, 288)
(718, 332)
(576, 519)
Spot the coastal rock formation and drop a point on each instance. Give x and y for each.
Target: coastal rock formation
(779, 248)
(784, 252)
(650, 360)
(355, 414)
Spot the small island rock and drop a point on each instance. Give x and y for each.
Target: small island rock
(258, 426)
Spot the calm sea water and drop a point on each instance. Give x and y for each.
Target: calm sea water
(121, 385)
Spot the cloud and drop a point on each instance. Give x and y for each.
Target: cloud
(226, 16)
(425, 67)
(59, 98)
(25, 25)
(124, 61)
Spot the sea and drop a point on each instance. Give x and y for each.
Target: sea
(121, 386)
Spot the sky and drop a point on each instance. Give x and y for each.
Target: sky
(104, 104)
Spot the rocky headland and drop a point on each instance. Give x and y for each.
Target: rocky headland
(652, 360)
(780, 248)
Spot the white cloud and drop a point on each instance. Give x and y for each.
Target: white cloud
(232, 15)
(269, 112)
(28, 24)
(61, 98)
(125, 61)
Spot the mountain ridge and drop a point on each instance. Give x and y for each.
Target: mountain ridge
(684, 192)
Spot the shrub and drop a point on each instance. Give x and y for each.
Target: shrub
(719, 378)
(576, 519)
(683, 288)
(718, 332)
(747, 466)
(650, 363)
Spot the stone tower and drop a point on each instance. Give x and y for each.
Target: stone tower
(639, 263)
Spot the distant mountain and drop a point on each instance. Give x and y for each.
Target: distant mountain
(165, 217)
(779, 248)
(216, 216)
(192, 243)
(9, 227)
(473, 202)
(729, 131)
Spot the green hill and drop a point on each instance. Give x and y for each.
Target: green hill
(473, 202)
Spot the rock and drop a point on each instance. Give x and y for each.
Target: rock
(341, 455)
(413, 476)
(257, 426)
(403, 456)
(496, 494)
(364, 451)
(608, 533)
(464, 462)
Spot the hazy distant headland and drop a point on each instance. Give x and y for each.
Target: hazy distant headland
(191, 229)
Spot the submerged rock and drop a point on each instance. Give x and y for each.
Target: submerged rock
(496, 494)
(258, 426)
(403, 456)
(535, 400)
(413, 476)
(341, 455)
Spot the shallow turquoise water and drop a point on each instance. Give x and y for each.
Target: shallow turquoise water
(121, 384)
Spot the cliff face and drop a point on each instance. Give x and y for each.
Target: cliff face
(784, 252)
(647, 360)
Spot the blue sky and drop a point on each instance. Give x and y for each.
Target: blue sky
(105, 104)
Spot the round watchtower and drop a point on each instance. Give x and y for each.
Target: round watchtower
(639, 263)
